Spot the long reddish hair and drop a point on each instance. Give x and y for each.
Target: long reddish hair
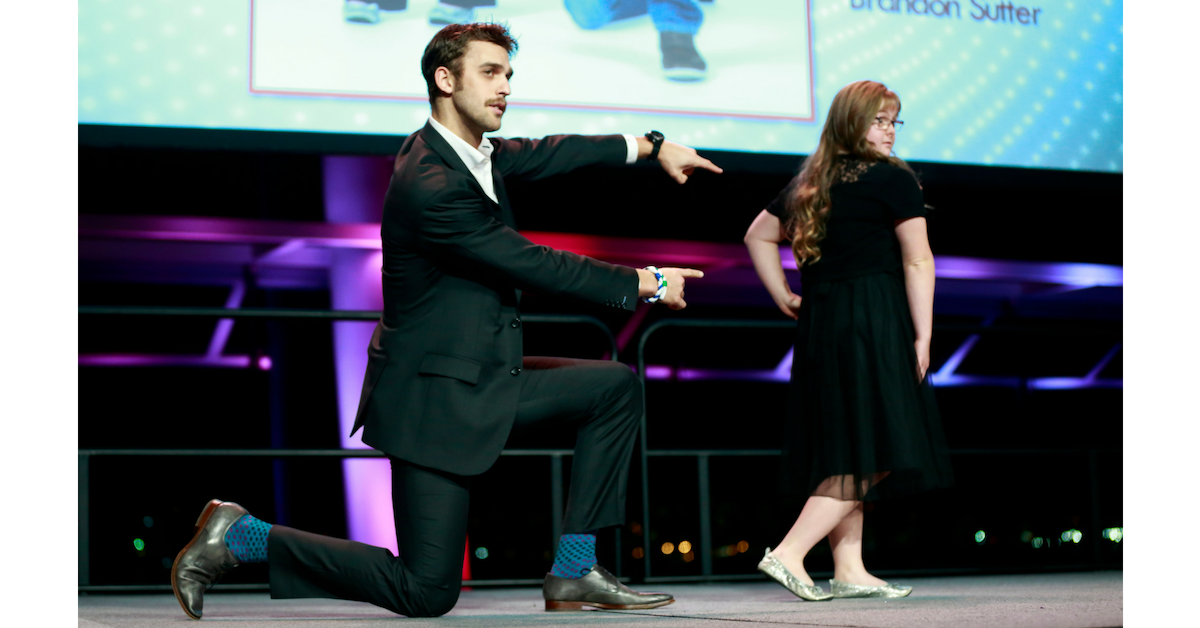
(850, 116)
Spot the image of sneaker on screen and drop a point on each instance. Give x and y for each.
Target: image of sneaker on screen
(663, 57)
(443, 13)
(677, 22)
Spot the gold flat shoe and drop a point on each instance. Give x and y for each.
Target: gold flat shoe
(772, 567)
(844, 589)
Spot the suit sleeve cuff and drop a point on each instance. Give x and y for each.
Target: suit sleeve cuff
(631, 148)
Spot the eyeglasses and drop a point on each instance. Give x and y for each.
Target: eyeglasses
(883, 123)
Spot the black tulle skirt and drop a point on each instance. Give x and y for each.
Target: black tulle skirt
(860, 426)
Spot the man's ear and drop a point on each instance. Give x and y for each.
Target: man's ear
(444, 79)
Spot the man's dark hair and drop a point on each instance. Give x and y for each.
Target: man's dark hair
(450, 44)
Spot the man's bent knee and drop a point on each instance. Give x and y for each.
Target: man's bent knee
(631, 385)
(433, 601)
(442, 605)
(620, 379)
(626, 391)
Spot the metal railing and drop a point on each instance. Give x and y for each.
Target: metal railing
(703, 455)
(86, 455)
(346, 315)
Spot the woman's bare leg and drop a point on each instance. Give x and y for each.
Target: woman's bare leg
(846, 541)
(819, 517)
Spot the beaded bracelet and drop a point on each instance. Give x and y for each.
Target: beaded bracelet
(662, 285)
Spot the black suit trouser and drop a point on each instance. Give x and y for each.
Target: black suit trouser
(602, 399)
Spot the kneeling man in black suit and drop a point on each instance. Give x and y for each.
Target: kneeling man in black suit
(446, 381)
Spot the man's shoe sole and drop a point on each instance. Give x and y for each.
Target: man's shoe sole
(558, 606)
(200, 523)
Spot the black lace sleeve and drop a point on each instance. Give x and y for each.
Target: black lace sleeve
(849, 169)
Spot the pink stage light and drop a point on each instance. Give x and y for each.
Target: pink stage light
(659, 372)
(353, 203)
(151, 359)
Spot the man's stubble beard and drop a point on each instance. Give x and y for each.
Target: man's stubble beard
(478, 116)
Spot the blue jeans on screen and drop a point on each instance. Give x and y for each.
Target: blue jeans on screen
(671, 16)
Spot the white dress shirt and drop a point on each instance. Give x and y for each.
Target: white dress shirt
(479, 160)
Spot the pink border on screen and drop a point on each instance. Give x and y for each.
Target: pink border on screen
(812, 102)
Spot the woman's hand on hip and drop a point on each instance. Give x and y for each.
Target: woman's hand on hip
(789, 305)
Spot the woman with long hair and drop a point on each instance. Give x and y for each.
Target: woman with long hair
(862, 420)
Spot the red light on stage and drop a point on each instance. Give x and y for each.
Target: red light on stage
(466, 574)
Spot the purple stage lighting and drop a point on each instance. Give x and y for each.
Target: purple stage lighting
(344, 255)
(160, 359)
(1070, 274)
(353, 199)
(1064, 273)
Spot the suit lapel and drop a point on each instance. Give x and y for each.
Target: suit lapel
(506, 212)
(443, 149)
(446, 152)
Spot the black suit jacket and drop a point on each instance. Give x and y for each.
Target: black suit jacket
(443, 376)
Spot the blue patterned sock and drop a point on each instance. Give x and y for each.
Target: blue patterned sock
(247, 539)
(575, 557)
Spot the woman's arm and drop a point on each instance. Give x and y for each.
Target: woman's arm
(918, 283)
(762, 239)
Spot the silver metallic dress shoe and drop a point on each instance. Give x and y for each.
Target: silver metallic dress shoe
(772, 567)
(844, 589)
(598, 589)
(206, 557)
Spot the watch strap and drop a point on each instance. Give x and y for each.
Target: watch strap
(656, 139)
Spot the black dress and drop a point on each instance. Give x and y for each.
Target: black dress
(856, 407)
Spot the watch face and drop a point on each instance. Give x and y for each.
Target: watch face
(654, 136)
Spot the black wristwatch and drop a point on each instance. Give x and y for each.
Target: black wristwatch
(655, 138)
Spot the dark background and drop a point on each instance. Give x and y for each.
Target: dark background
(1032, 479)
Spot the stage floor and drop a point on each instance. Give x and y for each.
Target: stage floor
(1070, 600)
